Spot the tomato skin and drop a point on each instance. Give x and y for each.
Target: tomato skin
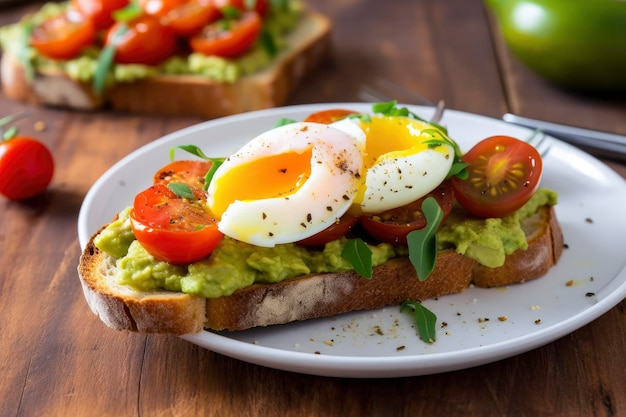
(394, 225)
(99, 11)
(336, 230)
(184, 17)
(187, 172)
(26, 168)
(241, 35)
(260, 6)
(146, 41)
(329, 116)
(504, 173)
(174, 229)
(63, 36)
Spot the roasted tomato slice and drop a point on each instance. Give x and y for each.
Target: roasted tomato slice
(100, 12)
(392, 226)
(191, 173)
(63, 36)
(329, 116)
(175, 229)
(143, 40)
(228, 38)
(333, 232)
(504, 173)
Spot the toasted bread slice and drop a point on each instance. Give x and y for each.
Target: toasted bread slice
(178, 95)
(309, 296)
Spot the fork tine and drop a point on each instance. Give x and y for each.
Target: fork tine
(400, 90)
(367, 93)
(540, 141)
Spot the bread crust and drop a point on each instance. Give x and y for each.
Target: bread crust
(310, 296)
(182, 95)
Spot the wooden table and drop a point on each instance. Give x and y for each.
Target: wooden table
(58, 359)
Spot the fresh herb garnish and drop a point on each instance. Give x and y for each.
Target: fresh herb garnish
(181, 190)
(439, 138)
(23, 48)
(193, 149)
(105, 60)
(359, 255)
(422, 243)
(425, 320)
(283, 121)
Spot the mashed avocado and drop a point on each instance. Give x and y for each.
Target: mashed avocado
(279, 21)
(489, 240)
(234, 265)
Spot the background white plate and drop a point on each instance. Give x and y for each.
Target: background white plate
(383, 343)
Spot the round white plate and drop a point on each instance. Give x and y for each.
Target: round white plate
(475, 327)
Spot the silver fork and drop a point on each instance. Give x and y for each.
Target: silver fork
(386, 90)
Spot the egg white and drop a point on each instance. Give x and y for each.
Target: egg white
(335, 165)
(400, 176)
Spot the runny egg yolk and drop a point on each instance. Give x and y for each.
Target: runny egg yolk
(400, 163)
(389, 137)
(273, 176)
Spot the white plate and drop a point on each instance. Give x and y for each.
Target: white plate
(383, 343)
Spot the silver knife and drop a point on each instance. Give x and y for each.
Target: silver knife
(602, 144)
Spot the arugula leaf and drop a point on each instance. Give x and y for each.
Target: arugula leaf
(105, 60)
(181, 190)
(194, 150)
(283, 121)
(425, 320)
(359, 255)
(422, 243)
(23, 48)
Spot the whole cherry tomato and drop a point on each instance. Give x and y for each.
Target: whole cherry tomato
(63, 36)
(26, 168)
(504, 173)
(174, 228)
(228, 38)
(100, 12)
(143, 40)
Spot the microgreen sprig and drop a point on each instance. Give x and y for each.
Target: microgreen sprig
(194, 150)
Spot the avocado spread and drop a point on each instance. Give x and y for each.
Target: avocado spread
(276, 26)
(234, 264)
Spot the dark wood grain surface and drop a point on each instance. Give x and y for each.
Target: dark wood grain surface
(58, 359)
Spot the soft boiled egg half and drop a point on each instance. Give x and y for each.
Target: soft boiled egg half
(400, 163)
(287, 184)
(294, 181)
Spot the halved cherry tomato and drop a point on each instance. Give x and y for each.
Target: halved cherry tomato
(228, 38)
(191, 173)
(99, 11)
(144, 41)
(504, 173)
(333, 232)
(174, 229)
(63, 36)
(26, 168)
(394, 225)
(184, 17)
(329, 116)
(259, 6)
